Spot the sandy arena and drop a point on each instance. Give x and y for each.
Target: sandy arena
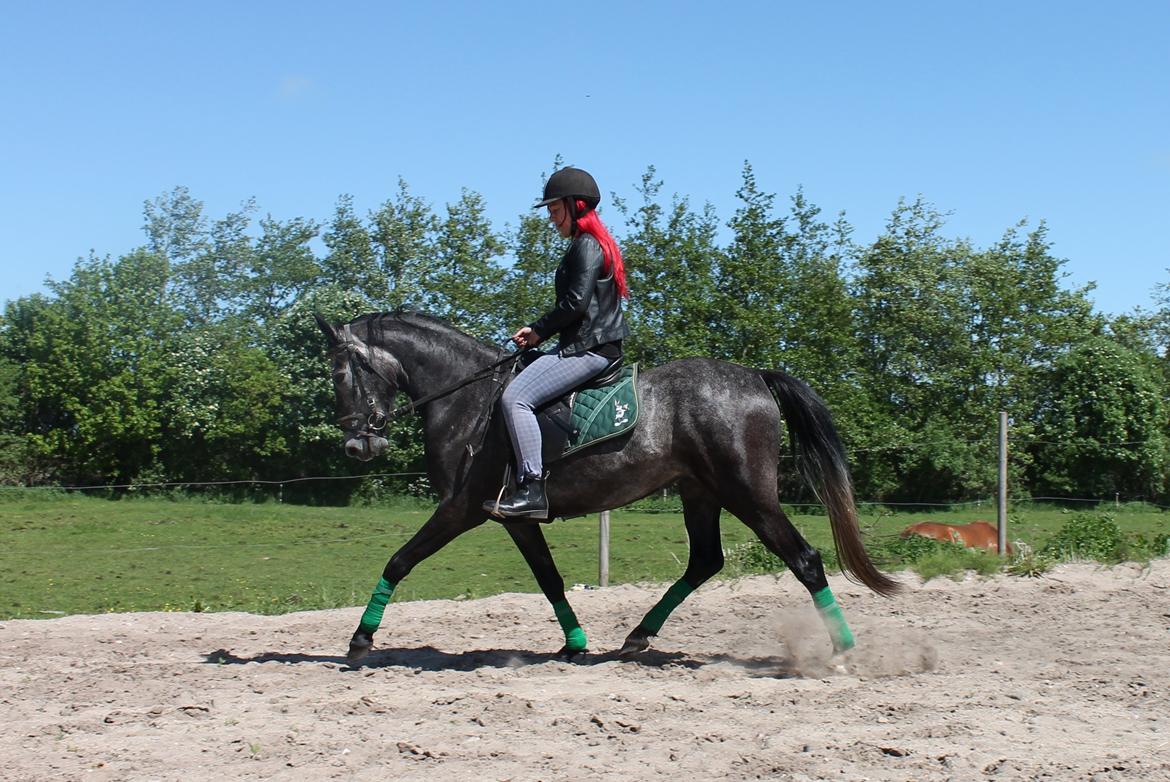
(1063, 677)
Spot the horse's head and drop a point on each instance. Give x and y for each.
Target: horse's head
(365, 381)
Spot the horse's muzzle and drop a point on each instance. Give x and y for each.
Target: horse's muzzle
(365, 447)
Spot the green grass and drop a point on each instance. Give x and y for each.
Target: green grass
(69, 554)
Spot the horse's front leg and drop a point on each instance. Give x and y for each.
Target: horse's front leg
(450, 520)
(530, 540)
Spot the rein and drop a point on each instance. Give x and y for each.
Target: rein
(479, 374)
(377, 420)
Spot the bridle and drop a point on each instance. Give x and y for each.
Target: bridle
(376, 420)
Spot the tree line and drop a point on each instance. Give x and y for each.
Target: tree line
(195, 357)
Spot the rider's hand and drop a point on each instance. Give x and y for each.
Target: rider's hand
(526, 337)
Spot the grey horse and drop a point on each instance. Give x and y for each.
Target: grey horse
(711, 428)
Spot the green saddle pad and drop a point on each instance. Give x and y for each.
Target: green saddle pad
(601, 413)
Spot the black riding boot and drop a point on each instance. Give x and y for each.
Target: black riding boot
(528, 501)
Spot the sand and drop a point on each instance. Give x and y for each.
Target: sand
(1063, 677)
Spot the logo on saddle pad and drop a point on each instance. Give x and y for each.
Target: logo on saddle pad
(619, 413)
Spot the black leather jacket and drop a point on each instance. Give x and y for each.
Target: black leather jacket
(588, 311)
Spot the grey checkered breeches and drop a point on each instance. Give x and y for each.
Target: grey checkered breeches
(543, 380)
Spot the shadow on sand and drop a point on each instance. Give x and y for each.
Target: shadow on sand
(428, 658)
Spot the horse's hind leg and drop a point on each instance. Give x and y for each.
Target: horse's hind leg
(530, 540)
(780, 537)
(701, 515)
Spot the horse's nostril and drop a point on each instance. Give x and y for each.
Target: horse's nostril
(353, 448)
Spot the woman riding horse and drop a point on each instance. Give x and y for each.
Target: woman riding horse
(590, 284)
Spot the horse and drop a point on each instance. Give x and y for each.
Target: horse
(709, 427)
(977, 534)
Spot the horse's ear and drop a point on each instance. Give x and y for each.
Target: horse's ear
(330, 332)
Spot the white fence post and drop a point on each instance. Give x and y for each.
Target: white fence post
(1001, 510)
(603, 549)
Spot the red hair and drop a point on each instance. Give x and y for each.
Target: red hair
(588, 222)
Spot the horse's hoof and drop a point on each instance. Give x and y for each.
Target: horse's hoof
(636, 643)
(567, 654)
(359, 646)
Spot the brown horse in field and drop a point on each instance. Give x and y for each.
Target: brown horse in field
(977, 534)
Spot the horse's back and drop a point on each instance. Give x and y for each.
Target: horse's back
(706, 397)
(705, 383)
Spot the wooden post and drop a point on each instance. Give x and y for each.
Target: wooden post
(1001, 510)
(603, 549)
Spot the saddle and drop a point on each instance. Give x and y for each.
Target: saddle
(598, 410)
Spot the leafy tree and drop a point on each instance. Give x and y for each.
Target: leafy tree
(1100, 425)
(13, 451)
(403, 236)
(536, 250)
(671, 259)
(817, 314)
(221, 414)
(751, 283)
(281, 269)
(97, 362)
(953, 335)
(175, 226)
(465, 284)
(352, 264)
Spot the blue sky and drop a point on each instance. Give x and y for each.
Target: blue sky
(992, 111)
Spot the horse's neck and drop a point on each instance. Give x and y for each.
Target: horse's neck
(432, 357)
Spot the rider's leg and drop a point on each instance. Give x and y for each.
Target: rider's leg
(542, 381)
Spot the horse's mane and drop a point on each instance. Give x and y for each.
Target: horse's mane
(377, 321)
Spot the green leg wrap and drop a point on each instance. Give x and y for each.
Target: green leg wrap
(677, 593)
(834, 620)
(575, 640)
(373, 615)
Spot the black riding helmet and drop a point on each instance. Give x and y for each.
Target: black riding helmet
(571, 183)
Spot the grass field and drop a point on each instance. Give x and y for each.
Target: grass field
(71, 554)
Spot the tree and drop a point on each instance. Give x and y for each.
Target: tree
(1100, 425)
(536, 251)
(465, 284)
(351, 264)
(97, 364)
(670, 260)
(403, 237)
(281, 269)
(751, 282)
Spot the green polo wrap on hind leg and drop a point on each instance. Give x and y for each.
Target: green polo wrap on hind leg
(575, 640)
(834, 620)
(677, 593)
(372, 618)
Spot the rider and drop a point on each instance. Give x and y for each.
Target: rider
(590, 284)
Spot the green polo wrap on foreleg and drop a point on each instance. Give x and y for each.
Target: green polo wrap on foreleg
(372, 618)
(677, 593)
(575, 640)
(834, 620)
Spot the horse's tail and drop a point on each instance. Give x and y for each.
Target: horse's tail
(821, 460)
